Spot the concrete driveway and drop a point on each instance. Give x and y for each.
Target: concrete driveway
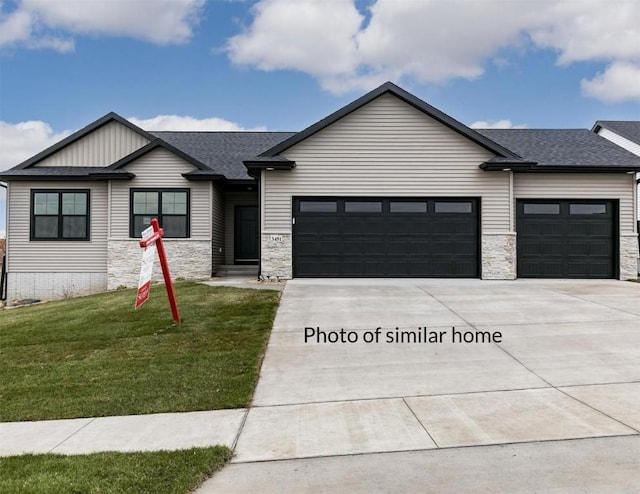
(542, 375)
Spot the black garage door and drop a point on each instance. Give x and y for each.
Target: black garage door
(566, 239)
(385, 237)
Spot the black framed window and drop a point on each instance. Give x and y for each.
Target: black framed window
(454, 207)
(408, 207)
(318, 206)
(588, 209)
(170, 206)
(541, 208)
(60, 214)
(363, 206)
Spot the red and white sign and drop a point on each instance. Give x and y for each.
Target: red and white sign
(146, 271)
(151, 243)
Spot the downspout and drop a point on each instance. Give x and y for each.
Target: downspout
(511, 204)
(259, 179)
(3, 274)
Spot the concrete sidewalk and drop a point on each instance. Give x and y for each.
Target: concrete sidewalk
(151, 432)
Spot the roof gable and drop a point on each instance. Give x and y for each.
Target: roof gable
(390, 88)
(629, 129)
(81, 134)
(155, 144)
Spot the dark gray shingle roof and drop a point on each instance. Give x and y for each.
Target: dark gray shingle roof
(224, 152)
(562, 147)
(64, 172)
(629, 129)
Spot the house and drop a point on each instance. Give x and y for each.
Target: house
(387, 186)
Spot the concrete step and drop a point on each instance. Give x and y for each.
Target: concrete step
(237, 270)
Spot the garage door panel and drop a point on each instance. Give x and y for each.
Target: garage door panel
(397, 237)
(566, 238)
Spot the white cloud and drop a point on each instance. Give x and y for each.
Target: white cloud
(429, 41)
(619, 82)
(496, 124)
(178, 122)
(33, 23)
(313, 36)
(23, 140)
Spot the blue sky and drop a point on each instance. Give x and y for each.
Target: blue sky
(284, 64)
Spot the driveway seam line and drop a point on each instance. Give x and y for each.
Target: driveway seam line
(435, 395)
(474, 327)
(240, 429)
(591, 301)
(442, 448)
(73, 434)
(409, 396)
(420, 422)
(598, 410)
(534, 373)
(567, 394)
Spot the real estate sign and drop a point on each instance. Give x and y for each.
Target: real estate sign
(152, 243)
(146, 269)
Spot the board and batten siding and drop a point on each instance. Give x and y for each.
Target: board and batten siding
(60, 256)
(580, 186)
(102, 147)
(387, 148)
(161, 169)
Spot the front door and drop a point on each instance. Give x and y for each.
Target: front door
(246, 235)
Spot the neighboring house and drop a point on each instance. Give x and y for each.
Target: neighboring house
(626, 134)
(387, 186)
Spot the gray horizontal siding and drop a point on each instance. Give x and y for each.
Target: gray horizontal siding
(101, 147)
(161, 169)
(580, 186)
(26, 256)
(387, 148)
(233, 199)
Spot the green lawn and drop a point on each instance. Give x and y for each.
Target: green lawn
(160, 472)
(96, 356)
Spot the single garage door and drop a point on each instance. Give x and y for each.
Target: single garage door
(566, 238)
(385, 237)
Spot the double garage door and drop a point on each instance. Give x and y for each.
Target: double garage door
(439, 237)
(385, 237)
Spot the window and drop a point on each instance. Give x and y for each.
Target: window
(407, 207)
(59, 215)
(318, 206)
(363, 207)
(541, 208)
(169, 206)
(587, 209)
(453, 207)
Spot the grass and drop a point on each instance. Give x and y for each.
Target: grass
(95, 356)
(161, 472)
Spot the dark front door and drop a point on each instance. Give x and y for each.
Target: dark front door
(385, 237)
(246, 235)
(566, 238)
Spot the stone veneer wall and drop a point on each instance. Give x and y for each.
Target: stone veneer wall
(498, 256)
(189, 259)
(629, 265)
(277, 256)
(51, 286)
